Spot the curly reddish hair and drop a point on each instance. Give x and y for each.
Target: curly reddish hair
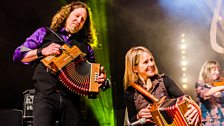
(59, 19)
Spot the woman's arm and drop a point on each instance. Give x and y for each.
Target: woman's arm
(129, 100)
(205, 92)
(212, 91)
(172, 88)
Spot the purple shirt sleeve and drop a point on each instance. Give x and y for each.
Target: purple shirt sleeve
(36, 40)
(90, 56)
(32, 42)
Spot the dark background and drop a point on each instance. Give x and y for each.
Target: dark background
(18, 21)
(156, 24)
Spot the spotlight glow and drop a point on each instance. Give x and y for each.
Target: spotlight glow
(184, 86)
(101, 107)
(183, 46)
(184, 63)
(182, 40)
(184, 80)
(184, 68)
(182, 35)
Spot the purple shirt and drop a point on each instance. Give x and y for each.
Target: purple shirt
(36, 40)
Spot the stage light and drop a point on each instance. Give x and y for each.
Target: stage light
(184, 68)
(183, 51)
(184, 80)
(182, 40)
(183, 57)
(184, 63)
(182, 35)
(184, 86)
(183, 46)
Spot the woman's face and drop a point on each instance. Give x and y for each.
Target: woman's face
(146, 66)
(76, 20)
(215, 73)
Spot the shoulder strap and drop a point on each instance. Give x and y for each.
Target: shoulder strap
(144, 92)
(58, 36)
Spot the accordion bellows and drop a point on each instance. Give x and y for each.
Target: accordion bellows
(170, 112)
(77, 77)
(75, 73)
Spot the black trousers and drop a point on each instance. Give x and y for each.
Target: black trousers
(47, 109)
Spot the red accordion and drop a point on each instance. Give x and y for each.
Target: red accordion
(170, 112)
(75, 73)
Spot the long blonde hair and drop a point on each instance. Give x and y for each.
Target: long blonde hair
(132, 59)
(205, 73)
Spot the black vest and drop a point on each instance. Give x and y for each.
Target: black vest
(45, 81)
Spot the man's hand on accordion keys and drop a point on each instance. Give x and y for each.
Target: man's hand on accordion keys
(192, 115)
(102, 79)
(52, 49)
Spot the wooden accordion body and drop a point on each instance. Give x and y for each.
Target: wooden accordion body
(170, 112)
(74, 71)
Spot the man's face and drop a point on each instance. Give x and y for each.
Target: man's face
(76, 20)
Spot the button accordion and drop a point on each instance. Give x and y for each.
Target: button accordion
(74, 71)
(170, 112)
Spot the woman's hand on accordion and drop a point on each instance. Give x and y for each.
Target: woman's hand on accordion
(192, 115)
(145, 113)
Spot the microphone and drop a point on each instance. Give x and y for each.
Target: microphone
(138, 122)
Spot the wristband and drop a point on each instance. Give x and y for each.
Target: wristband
(39, 52)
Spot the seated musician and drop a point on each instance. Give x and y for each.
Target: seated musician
(210, 91)
(140, 67)
(72, 23)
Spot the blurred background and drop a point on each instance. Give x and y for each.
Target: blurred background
(177, 32)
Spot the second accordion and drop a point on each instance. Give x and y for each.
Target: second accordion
(170, 112)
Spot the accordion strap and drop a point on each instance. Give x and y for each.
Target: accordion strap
(58, 36)
(144, 92)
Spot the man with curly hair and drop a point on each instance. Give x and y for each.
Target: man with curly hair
(72, 25)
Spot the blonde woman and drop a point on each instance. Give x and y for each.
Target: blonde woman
(140, 67)
(211, 97)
